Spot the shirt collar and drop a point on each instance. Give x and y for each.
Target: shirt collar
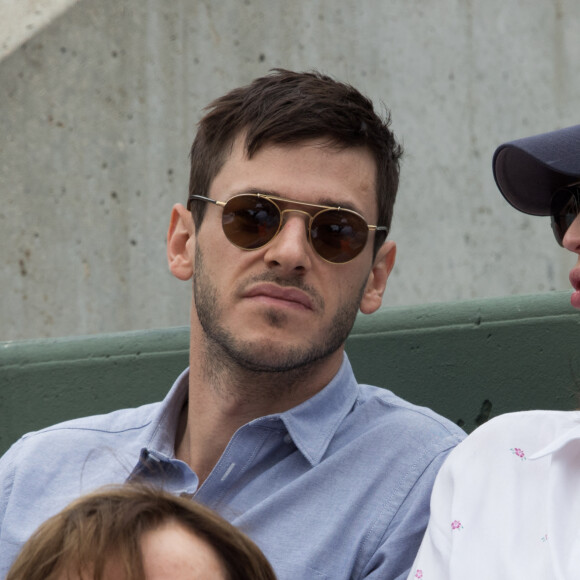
(313, 423)
(164, 425)
(572, 434)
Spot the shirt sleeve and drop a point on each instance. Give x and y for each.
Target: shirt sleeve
(434, 554)
(394, 557)
(488, 508)
(471, 471)
(8, 549)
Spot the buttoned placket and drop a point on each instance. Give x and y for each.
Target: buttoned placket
(243, 452)
(244, 449)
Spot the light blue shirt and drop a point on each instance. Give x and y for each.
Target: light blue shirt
(337, 487)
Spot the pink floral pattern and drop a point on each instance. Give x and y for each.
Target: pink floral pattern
(518, 453)
(456, 525)
(419, 574)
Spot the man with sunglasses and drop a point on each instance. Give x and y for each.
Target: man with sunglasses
(292, 186)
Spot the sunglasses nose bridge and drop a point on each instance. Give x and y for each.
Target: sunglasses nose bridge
(304, 213)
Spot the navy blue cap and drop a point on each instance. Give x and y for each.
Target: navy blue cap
(528, 171)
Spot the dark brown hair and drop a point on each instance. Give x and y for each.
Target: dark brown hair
(287, 107)
(109, 523)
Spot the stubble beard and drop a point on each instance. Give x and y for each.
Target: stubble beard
(225, 351)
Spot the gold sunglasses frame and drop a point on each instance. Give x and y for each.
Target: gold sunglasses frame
(273, 199)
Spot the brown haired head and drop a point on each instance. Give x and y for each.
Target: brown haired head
(287, 107)
(81, 540)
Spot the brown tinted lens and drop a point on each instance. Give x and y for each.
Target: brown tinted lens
(249, 221)
(563, 210)
(338, 236)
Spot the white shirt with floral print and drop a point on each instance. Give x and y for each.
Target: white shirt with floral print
(506, 503)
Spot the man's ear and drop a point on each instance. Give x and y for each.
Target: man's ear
(180, 242)
(377, 281)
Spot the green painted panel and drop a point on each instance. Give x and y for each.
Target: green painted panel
(46, 381)
(475, 359)
(467, 360)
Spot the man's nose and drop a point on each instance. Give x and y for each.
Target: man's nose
(290, 250)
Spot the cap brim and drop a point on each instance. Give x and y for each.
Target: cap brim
(528, 171)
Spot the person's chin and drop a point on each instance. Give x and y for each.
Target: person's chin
(272, 356)
(275, 342)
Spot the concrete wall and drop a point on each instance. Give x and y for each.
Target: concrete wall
(23, 19)
(98, 110)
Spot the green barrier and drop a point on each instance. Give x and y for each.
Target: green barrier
(467, 360)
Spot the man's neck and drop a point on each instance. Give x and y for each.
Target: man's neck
(223, 400)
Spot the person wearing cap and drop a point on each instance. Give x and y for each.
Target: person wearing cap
(506, 503)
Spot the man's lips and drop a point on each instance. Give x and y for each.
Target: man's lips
(274, 293)
(575, 278)
(575, 281)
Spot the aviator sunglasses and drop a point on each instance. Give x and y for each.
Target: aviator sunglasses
(564, 208)
(252, 220)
